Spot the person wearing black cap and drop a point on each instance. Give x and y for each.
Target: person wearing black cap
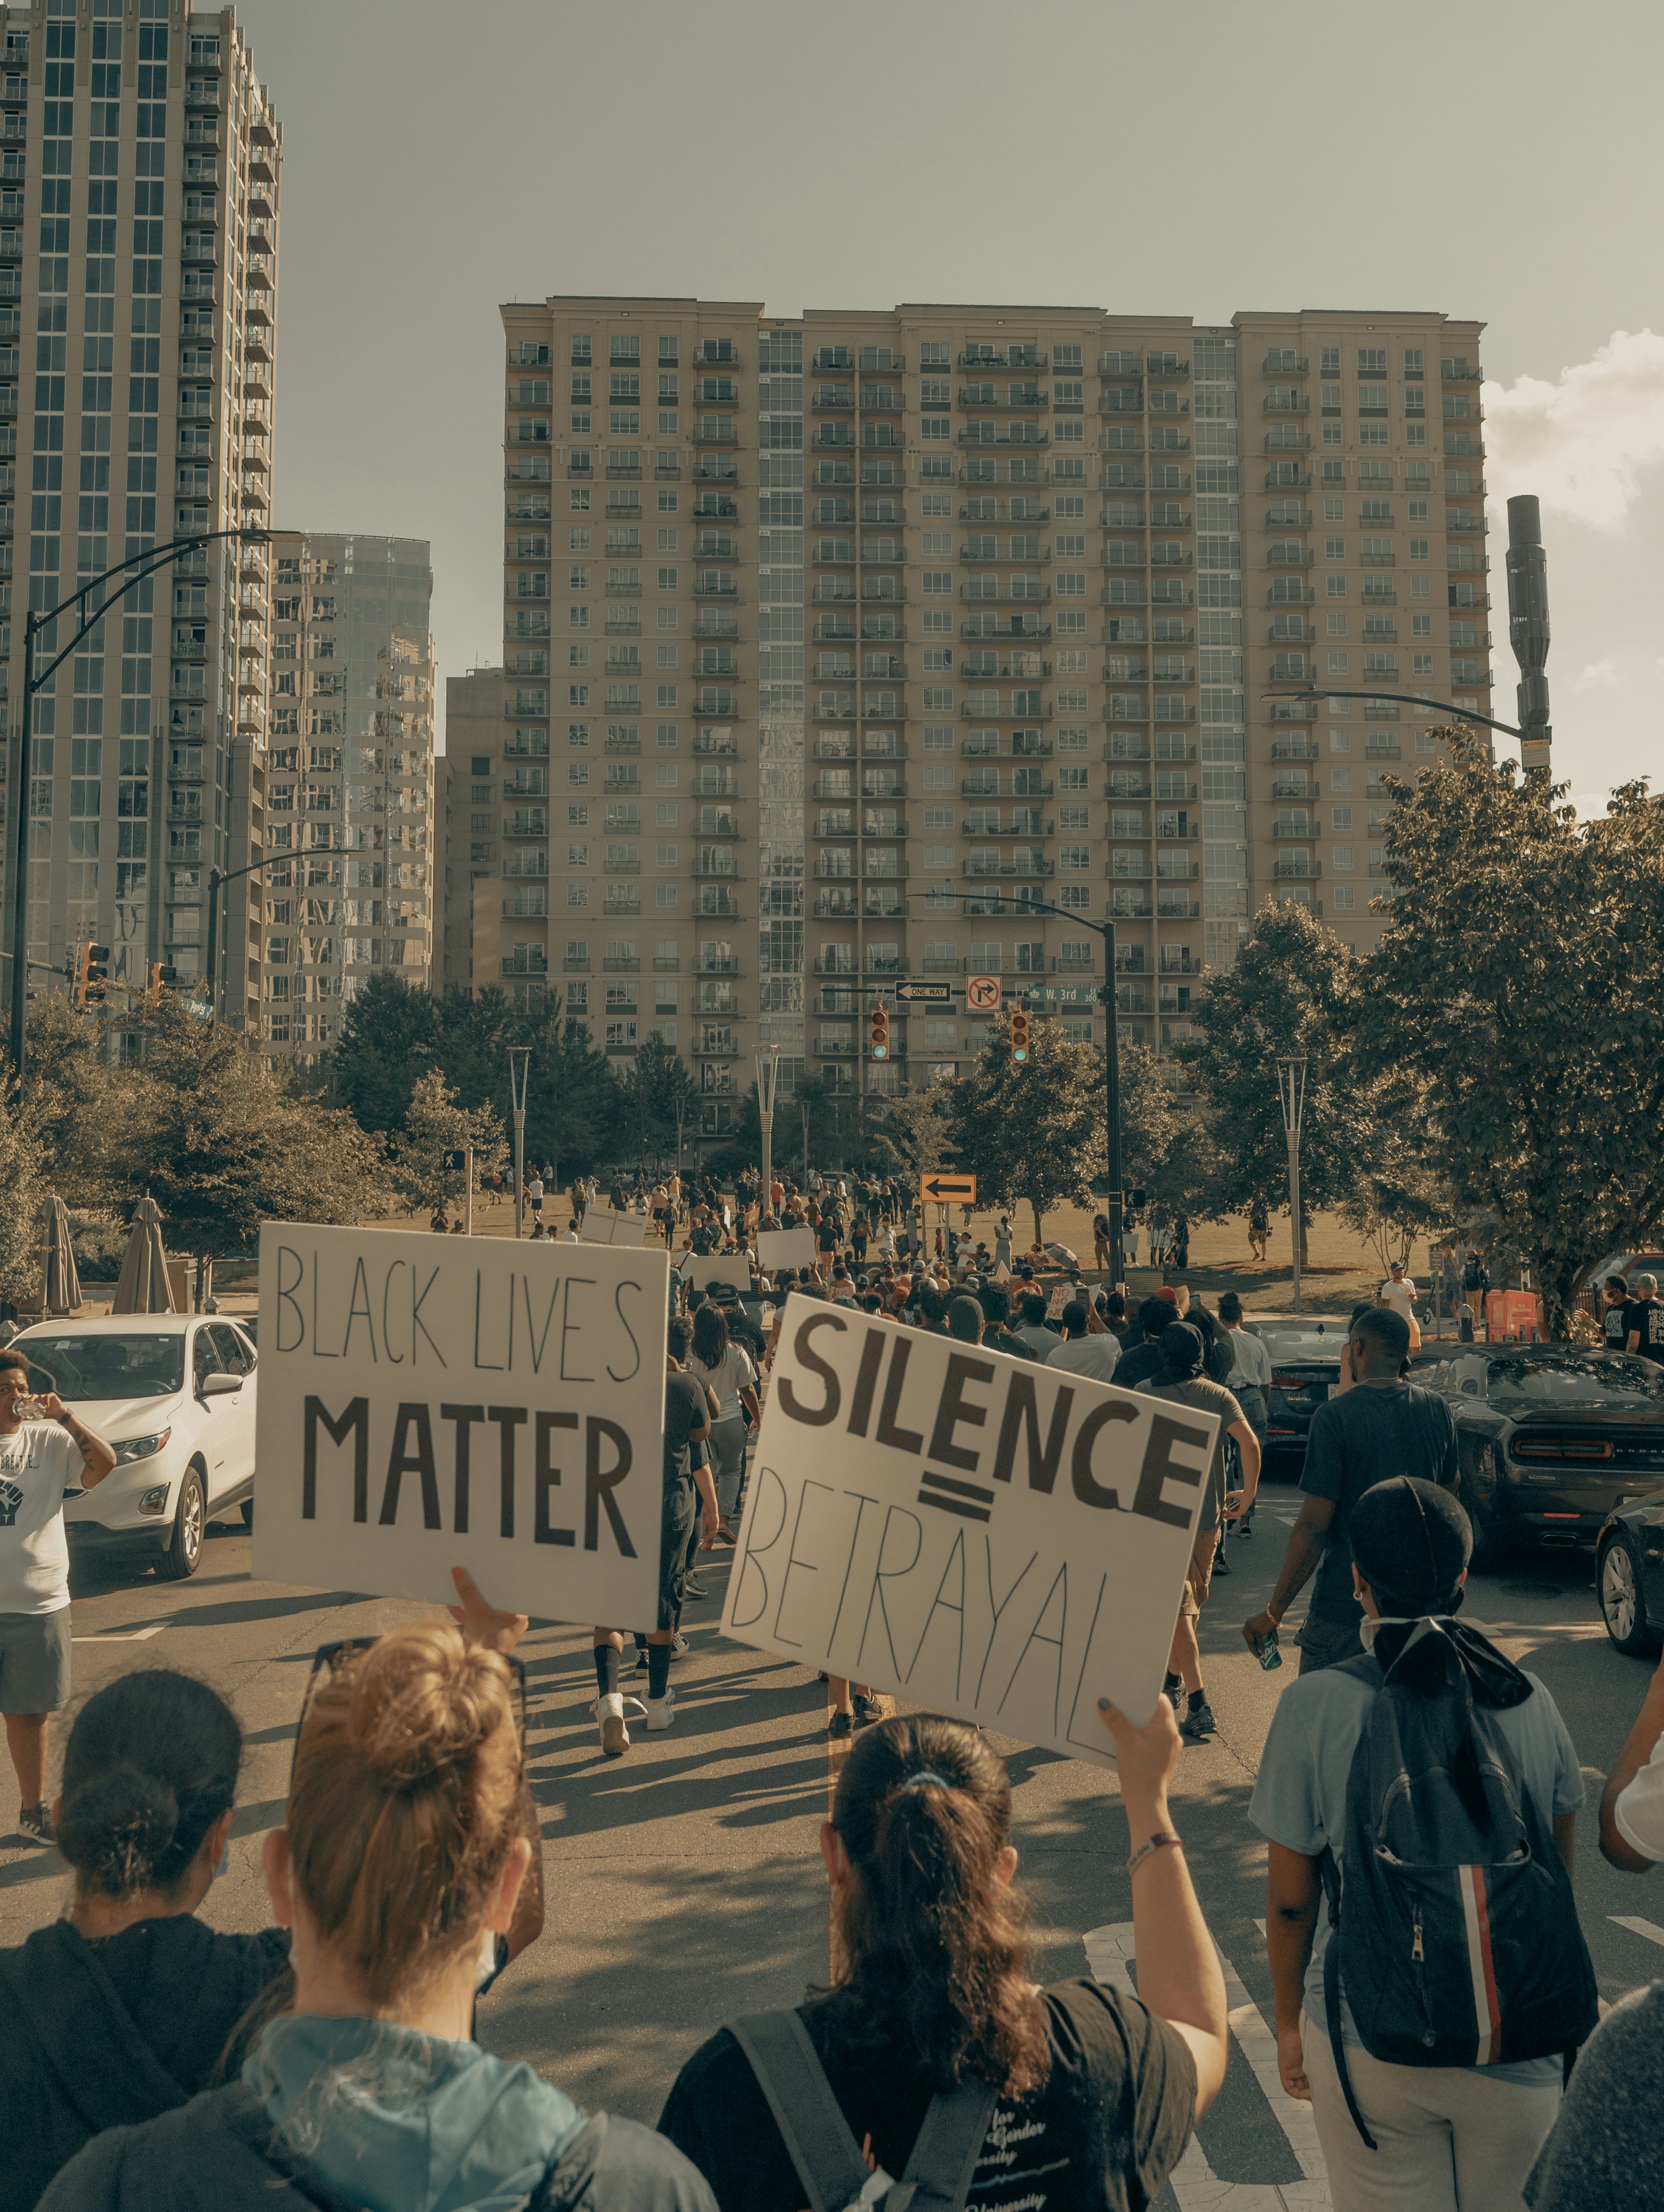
(1183, 1382)
(1378, 1426)
(1460, 2139)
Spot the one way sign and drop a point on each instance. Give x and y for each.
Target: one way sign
(940, 1188)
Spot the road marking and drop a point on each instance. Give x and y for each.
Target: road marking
(1110, 1954)
(1650, 1929)
(123, 1635)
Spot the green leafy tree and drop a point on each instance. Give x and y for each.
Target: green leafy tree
(23, 1170)
(659, 1097)
(435, 1125)
(388, 1036)
(914, 1130)
(73, 1100)
(1033, 1135)
(221, 1147)
(1159, 1142)
(1519, 978)
(572, 1107)
(1290, 992)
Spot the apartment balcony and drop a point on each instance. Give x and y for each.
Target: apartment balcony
(968, 713)
(1290, 787)
(836, 905)
(707, 963)
(716, 432)
(715, 587)
(713, 866)
(1379, 594)
(1032, 826)
(715, 468)
(1278, 364)
(1016, 747)
(1282, 556)
(1029, 869)
(1285, 403)
(1295, 479)
(978, 595)
(715, 743)
(1027, 628)
(1296, 868)
(1376, 747)
(717, 901)
(973, 787)
(708, 624)
(716, 1044)
(525, 960)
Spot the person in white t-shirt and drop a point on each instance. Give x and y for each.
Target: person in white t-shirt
(40, 1457)
(1632, 1806)
(1400, 1293)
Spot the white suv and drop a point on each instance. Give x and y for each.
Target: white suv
(173, 1395)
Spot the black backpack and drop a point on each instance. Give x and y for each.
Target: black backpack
(1457, 1939)
(834, 2175)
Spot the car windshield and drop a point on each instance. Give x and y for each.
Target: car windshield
(142, 1365)
(1609, 1378)
(1285, 1341)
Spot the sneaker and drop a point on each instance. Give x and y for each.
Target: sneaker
(639, 1664)
(840, 1725)
(678, 1646)
(661, 1713)
(1173, 1692)
(614, 1737)
(871, 1708)
(727, 1533)
(1196, 1727)
(1246, 1530)
(35, 1822)
(691, 1589)
(1221, 1565)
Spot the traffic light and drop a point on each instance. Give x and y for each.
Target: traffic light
(881, 1033)
(158, 978)
(92, 972)
(1019, 1035)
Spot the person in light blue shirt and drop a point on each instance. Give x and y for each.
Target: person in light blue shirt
(1451, 2139)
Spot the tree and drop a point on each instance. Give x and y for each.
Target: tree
(1159, 1145)
(1401, 1192)
(221, 1147)
(572, 1118)
(915, 1131)
(1519, 978)
(1033, 1135)
(659, 1096)
(21, 1171)
(435, 1125)
(73, 1101)
(387, 1038)
(1290, 992)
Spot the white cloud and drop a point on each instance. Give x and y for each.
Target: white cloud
(1599, 676)
(1582, 442)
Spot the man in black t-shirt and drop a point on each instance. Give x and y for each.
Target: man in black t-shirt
(1379, 1427)
(1643, 1321)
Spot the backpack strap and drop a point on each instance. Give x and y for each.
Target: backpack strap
(950, 2143)
(816, 2136)
(1332, 1992)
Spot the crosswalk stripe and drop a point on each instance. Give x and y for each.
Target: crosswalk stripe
(1650, 1929)
(1110, 1954)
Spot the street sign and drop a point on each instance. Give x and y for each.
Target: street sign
(933, 994)
(1067, 994)
(982, 994)
(941, 1187)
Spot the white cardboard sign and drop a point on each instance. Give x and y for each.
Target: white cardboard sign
(733, 1267)
(996, 1540)
(426, 1405)
(785, 1247)
(603, 1226)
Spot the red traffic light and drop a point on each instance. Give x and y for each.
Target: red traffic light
(1019, 1035)
(880, 1021)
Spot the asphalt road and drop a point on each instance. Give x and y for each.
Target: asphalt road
(684, 1883)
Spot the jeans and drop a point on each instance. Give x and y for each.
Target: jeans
(1326, 1643)
(1446, 2139)
(727, 1443)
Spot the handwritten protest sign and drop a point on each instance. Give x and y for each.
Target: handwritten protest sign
(481, 1405)
(603, 1226)
(785, 1247)
(734, 1268)
(993, 1540)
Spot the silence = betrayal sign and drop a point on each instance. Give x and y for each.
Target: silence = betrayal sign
(989, 1538)
(477, 1404)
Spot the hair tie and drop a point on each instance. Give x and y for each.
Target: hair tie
(917, 1781)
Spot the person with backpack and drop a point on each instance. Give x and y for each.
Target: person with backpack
(1432, 1982)
(935, 2061)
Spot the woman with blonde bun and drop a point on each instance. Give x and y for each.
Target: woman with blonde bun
(409, 1847)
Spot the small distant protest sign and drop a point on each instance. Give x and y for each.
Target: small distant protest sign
(993, 1539)
(425, 1406)
(602, 1225)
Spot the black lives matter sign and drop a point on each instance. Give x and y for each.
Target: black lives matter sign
(989, 1538)
(479, 1403)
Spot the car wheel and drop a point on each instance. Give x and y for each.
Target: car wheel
(248, 1512)
(185, 1546)
(1623, 1608)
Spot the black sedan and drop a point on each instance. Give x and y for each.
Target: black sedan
(1305, 1366)
(1553, 1440)
(1629, 1574)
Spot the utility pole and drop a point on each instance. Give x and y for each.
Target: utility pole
(1117, 1203)
(1291, 1092)
(520, 1062)
(767, 1082)
(1527, 626)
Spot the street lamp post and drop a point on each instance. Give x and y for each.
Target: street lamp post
(1291, 1092)
(520, 1062)
(767, 1082)
(216, 878)
(141, 565)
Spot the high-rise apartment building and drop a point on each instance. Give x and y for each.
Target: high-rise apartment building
(468, 859)
(139, 163)
(1046, 566)
(349, 883)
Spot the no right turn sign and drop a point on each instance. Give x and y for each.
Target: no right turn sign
(982, 994)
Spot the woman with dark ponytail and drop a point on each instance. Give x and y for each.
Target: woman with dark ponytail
(123, 2008)
(1079, 2095)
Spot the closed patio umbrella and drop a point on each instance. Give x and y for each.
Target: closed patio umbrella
(144, 1287)
(60, 1285)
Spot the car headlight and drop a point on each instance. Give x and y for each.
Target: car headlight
(132, 1448)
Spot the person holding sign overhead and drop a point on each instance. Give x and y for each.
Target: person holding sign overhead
(936, 2037)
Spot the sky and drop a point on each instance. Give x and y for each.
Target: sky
(439, 159)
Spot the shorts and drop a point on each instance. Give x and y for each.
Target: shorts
(1200, 1570)
(34, 1660)
(681, 1510)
